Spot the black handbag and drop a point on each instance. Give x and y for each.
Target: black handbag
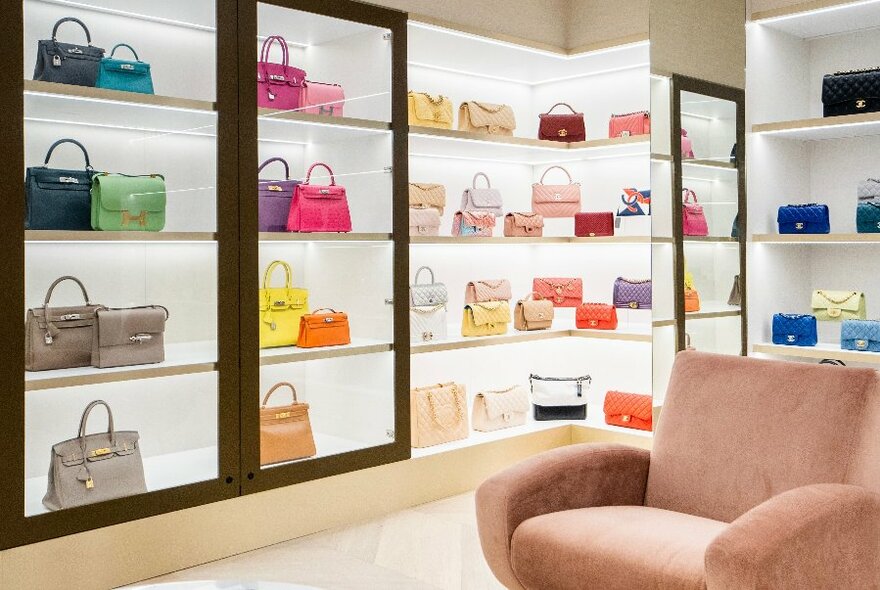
(849, 93)
(59, 199)
(66, 63)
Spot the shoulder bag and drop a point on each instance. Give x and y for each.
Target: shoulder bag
(595, 316)
(629, 124)
(130, 336)
(630, 410)
(563, 292)
(285, 430)
(693, 219)
(489, 318)
(632, 200)
(497, 409)
(124, 74)
(523, 225)
(438, 414)
(426, 194)
(279, 85)
(632, 293)
(281, 308)
(590, 225)
(424, 221)
(792, 329)
(322, 98)
(488, 290)
(804, 219)
(567, 127)
(476, 224)
(67, 63)
(556, 200)
(860, 335)
(427, 323)
(319, 208)
(274, 198)
(560, 398)
(533, 312)
(59, 199)
(427, 293)
(128, 203)
(427, 110)
(482, 199)
(836, 306)
(323, 329)
(868, 217)
(483, 117)
(850, 93)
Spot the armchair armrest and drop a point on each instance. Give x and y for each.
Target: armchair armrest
(816, 536)
(577, 476)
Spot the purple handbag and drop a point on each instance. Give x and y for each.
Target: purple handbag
(274, 199)
(632, 294)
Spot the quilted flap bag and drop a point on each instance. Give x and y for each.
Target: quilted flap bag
(490, 312)
(279, 85)
(482, 199)
(556, 200)
(427, 323)
(124, 74)
(476, 224)
(560, 391)
(483, 117)
(505, 402)
(129, 336)
(563, 292)
(59, 199)
(68, 63)
(634, 203)
(323, 329)
(812, 218)
(687, 146)
(632, 293)
(860, 335)
(128, 203)
(285, 430)
(437, 414)
(533, 313)
(319, 208)
(281, 308)
(628, 124)
(274, 198)
(424, 221)
(431, 293)
(630, 410)
(523, 225)
(427, 195)
(428, 110)
(693, 219)
(869, 190)
(589, 225)
(852, 92)
(596, 316)
(568, 127)
(837, 306)
(794, 329)
(322, 98)
(868, 217)
(492, 290)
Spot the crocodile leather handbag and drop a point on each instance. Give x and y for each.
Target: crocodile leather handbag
(632, 293)
(432, 293)
(475, 224)
(633, 201)
(130, 336)
(595, 316)
(285, 430)
(279, 85)
(125, 74)
(427, 323)
(423, 194)
(59, 199)
(563, 292)
(560, 398)
(556, 200)
(687, 146)
(589, 225)
(92, 468)
(792, 329)
(523, 225)
(482, 199)
(281, 308)
(274, 198)
(67, 63)
(804, 219)
(567, 127)
(868, 217)
(487, 290)
(693, 219)
(128, 203)
(489, 318)
(497, 409)
(850, 93)
(860, 335)
(836, 306)
(629, 124)
(426, 110)
(438, 414)
(483, 117)
(533, 313)
(321, 98)
(323, 329)
(319, 208)
(630, 410)
(424, 221)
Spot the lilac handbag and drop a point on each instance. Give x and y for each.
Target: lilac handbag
(632, 293)
(274, 199)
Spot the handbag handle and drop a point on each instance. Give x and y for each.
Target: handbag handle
(270, 160)
(430, 272)
(688, 195)
(127, 46)
(276, 387)
(323, 165)
(162, 307)
(267, 48)
(479, 174)
(60, 280)
(68, 140)
(70, 19)
(330, 309)
(270, 270)
(83, 421)
(559, 167)
(561, 104)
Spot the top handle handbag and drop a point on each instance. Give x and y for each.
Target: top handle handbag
(274, 198)
(125, 75)
(59, 199)
(556, 200)
(319, 208)
(279, 85)
(482, 199)
(568, 127)
(433, 293)
(281, 308)
(285, 430)
(693, 219)
(67, 63)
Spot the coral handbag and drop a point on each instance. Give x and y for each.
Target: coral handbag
(589, 225)
(568, 127)
(523, 225)
(279, 85)
(285, 431)
(323, 329)
(556, 200)
(281, 308)
(637, 123)
(693, 219)
(482, 291)
(128, 203)
(494, 410)
(595, 316)
(320, 98)
(319, 208)
(124, 74)
(426, 110)
(477, 224)
(562, 292)
(438, 414)
(630, 410)
(274, 198)
(691, 296)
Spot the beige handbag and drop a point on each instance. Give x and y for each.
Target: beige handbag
(489, 318)
(438, 414)
(427, 110)
(494, 410)
(131, 336)
(523, 225)
(427, 195)
(95, 467)
(482, 117)
(533, 313)
(487, 290)
(285, 431)
(424, 221)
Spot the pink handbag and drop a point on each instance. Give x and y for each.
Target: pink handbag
(483, 291)
(319, 208)
(476, 224)
(556, 200)
(279, 85)
(319, 98)
(638, 123)
(687, 146)
(692, 217)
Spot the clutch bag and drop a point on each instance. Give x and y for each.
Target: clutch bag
(589, 225)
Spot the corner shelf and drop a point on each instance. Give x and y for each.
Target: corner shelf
(816, 238)
(708, 310)
(515, 337)
(821, 128)
(820, 351)
(292, 354)
(452, 240)
(116, 236)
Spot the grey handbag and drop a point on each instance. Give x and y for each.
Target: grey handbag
(130, 336)
(60, 337)
(66, 63)
(482, 199)
(735, 297)
(94, 467)
(432, 293)
(869, 190)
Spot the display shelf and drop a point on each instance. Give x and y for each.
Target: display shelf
(458, 240)
(116, 236)
(328, 445)
(822, 128)
(820, 351)
(719, 164)
(820, 18)
(710, 240)
(302, 128)
(713, 309)
(131, 99)
(292, 354)
(323, 237)
(180, 359)
(632, 334)
(322, 120)
(816, 238)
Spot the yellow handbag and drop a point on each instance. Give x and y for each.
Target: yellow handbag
(489, 318)
(836, 306)
(281, 309)
(426, 110)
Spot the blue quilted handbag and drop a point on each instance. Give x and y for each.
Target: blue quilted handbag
(868, 217)
(123, 74)
(860, 335)
(793, 329)
(804, 219)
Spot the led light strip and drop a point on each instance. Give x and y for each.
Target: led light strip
(54, 96)
(835, 8)
(818, 127)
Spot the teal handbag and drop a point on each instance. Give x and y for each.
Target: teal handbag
(868, 217)
(128, 203)
(123, 74)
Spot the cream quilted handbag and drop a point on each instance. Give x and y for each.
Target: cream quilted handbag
(556, 200)
(427, 110)
(482, 117)
(438, 414)
(479, 291)
(427, 195)
(494, 410)
(485, 319)
(424, 221)
(427, 323)
(836, 306)
(421, 294)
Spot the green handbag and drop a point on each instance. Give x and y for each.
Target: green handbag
(128, 203)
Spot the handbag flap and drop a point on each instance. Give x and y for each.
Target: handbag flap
(426, 110)
(599, 222)
(66, 317)
(869, 189)
(426, 217)
(281, 298)
(58, 179)
(478, 218)
(802, 213)
(627, 290)
(296, 412)
(527, 220)
(72, 50)
(124, 326)
(277, 189)
(559, 391)
(794, 324)
(277, 74)
(487, 198)
(569, 124)
(483, 114)
(130, 193)
(432, 195)
(315, 321)
(122, 66)
(504, 403)
(489, 312)
(860, 330)
(553, 287)
(845, 300)
(317, 191)
(636, 405)
(595, 311)
(556, 193)
(540, 310)
(843, 87)
(494, 290)
(99, 447)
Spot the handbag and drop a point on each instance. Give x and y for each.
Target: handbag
(523, 225)
(285, 431)
(281, 308)
(691, 296)
(733, 154)
(632, 200)
(804, 219)
(589, 225)
(632, 293)
(125, 74)
(792, 329)
(477, 224)
(836, 306)
(687, 146)
(559, 398)
(427, 195)
(279, 85)
(321, 98)
(852, 92)
(437, 414)
(860, 335)
(319, 208)
(426, 110)
(59, 199)
(482, 199)
(869, 190)
(130, 336)
(92, 468)
(533, 312)
(556, 200)
(497, 409)
(569, 127)
(60, 337)
(734, 228)
(735, 297)
(483, 291)
(693, 219)
(427, 323)
(489, 318)
(868, 217)
(421, 294)
(128, 203)
(68, 63)
(629, 124)
(424, 221)
(482, 117)
(274, 198)
(323, 329)
(562, 292)
(595, 316)
(630, 410)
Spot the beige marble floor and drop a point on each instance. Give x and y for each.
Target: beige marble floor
(428, 547)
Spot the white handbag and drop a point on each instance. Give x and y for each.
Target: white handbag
(432, 293)
(494, 410)
(427, 323)
(560, 398)
(482, 199)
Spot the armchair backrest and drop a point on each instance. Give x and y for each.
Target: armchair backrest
(737, 431)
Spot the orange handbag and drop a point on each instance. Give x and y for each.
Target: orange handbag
(323, 329)
(630, 410)
(595, 316)
(691, 300)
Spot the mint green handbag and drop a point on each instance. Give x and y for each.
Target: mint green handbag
(128, 203)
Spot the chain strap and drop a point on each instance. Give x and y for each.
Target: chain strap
(459, 412)
(862, 71)
(635, 281)
(632, 113)
(838, 301)
(436, 101)
(427, 310)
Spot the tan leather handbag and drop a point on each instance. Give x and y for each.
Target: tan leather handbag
(428, 110)
(130, 336)
(483, 117)
(285, 431)
(438, 414)
(533, 313)
(422, 194)
(494, 410)
(523, 225)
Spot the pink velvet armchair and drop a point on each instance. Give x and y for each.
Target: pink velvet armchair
(763, 475)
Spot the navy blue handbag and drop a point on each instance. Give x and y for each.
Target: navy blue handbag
(59, 199)
(67, 63)
(794, 329)
(804, 219)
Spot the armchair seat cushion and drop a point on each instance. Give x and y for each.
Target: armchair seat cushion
(613, 548)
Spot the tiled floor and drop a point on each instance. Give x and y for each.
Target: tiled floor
(428, 547)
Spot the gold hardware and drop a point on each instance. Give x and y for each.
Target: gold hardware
(633, 304)
(592, 234)
(488, 109)
(861, 344)
(625, 418)
(799, 225)
(833, 312)
(562, 132)
(275, 188)
(861, 103)
(99, 452)
(90, 483)
(128, 218)
(838, 301)
(494, 128)
(594, 323)
(541, 316)
(439, 100)
(281, 415)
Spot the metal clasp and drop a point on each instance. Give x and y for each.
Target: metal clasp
(861, 344)
(328, 320)
(126, 67)
(280, 415)
(70, 316)
(634, 304)
(562, 132)
(140, 338)
(625, 418)
(799, 225)
(99, 452)
(861, 103)
(427, 336)
(791, 338)
(56, 60)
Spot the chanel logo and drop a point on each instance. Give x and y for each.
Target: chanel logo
(625, 134)
(791, 338)
(540, 316)
(625, 418)
(861, 344)
(557, 197)
(634, 304)
(833, 312)
(427, 336)
(562, 132)
(799, 225)
(423, 229)
(861, 103)
(140, 219)
(594, 322)
(592, 234)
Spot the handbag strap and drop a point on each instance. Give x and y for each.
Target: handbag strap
(478, 175)
(688, 195)
(71, 19)
(60, 280)
(561, 104)
(267, 48)
(127, 46)
(83, 421)
(68, 140)
(560, 168)
(330, 309)
(459, 412)
(323, 165)
(288, 274)
(162, 307)
(430, 272)
(276, 387)
(282, 160)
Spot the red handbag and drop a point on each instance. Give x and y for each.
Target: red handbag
(693, 219)
(638, 123)
(630, 410)
(319, 208)
(568, 127)
(595, 316)
(562, 292)
(588, 225)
